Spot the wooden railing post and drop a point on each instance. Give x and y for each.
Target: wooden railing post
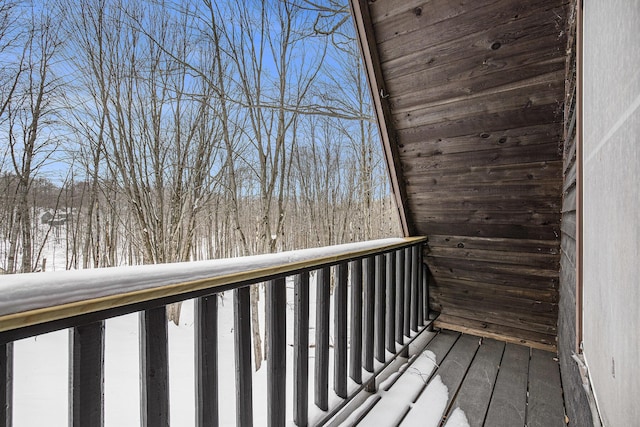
(242, 345)
(340, 330)
(6, 390)
(355, 367)
(415, 296)
(380, 305)
(407, 291)
(206, 353)
(323, 291)
(390, 302)
(154, 368)
(368, 308)
(399, 286)
(86, 371)
(301, 349)
(276, 326)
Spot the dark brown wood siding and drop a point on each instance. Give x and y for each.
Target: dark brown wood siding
(473, 94)
(576, 403)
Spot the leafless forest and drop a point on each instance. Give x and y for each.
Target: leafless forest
(166, 131)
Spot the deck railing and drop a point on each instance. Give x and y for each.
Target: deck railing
(388, 306)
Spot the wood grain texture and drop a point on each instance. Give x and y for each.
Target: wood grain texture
(476, 113)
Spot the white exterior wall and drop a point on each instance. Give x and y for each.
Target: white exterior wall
(612, 206)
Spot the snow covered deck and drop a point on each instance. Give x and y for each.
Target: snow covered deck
(459, 380)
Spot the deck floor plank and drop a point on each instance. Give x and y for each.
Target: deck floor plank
(490, 383)
(509, 401)
(399, 395)
(545, 393)
(450, 374)
(476, 390)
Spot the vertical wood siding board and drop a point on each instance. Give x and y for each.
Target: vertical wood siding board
(355, 360)
(390, 332)
(301, 349)
(154, 368)
(6, 392)
(407, 292)
(340, 330)
(206, 353)
(414, 288)
(86, 371)
(276, 325)
(368, 308)
(323, 284)
(242, 347)
(399, 287)
(380, 297)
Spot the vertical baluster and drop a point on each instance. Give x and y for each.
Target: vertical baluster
(420, 286)
(391, 301)
(154, 368)
(407, 291)
(425, 294)
(86, 371)
(6, 391)
(242, 345)
(276, 307)
(399, 286)
(301, 349)
(369, 307)
(415, 300)
(380, 303)
(206, 353)
(340, 330)
(355, 367)
(323, 283)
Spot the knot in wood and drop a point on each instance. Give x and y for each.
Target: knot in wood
(417, 11)
(496, 46)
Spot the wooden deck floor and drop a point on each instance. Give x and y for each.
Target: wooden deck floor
(494, 384)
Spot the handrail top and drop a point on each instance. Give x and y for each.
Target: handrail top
(34, 298)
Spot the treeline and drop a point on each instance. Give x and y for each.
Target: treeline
(185, 130)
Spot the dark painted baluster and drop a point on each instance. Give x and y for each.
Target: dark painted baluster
(415, 300)
(355, 367)
(340, 330)
(154, 368)
(425, 293)
(276, 308)
(301, 349)
(390, 260)
(368, 307)
(86, 371)
(399, 286)
(420, 301)
(242, 344)
(380, 303)
(6, 391)
(323, 283)
(206, 349)
(407, 291)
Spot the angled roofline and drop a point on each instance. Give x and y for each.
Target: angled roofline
(379, 94)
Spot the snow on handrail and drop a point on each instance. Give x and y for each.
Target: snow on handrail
(34, 298)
